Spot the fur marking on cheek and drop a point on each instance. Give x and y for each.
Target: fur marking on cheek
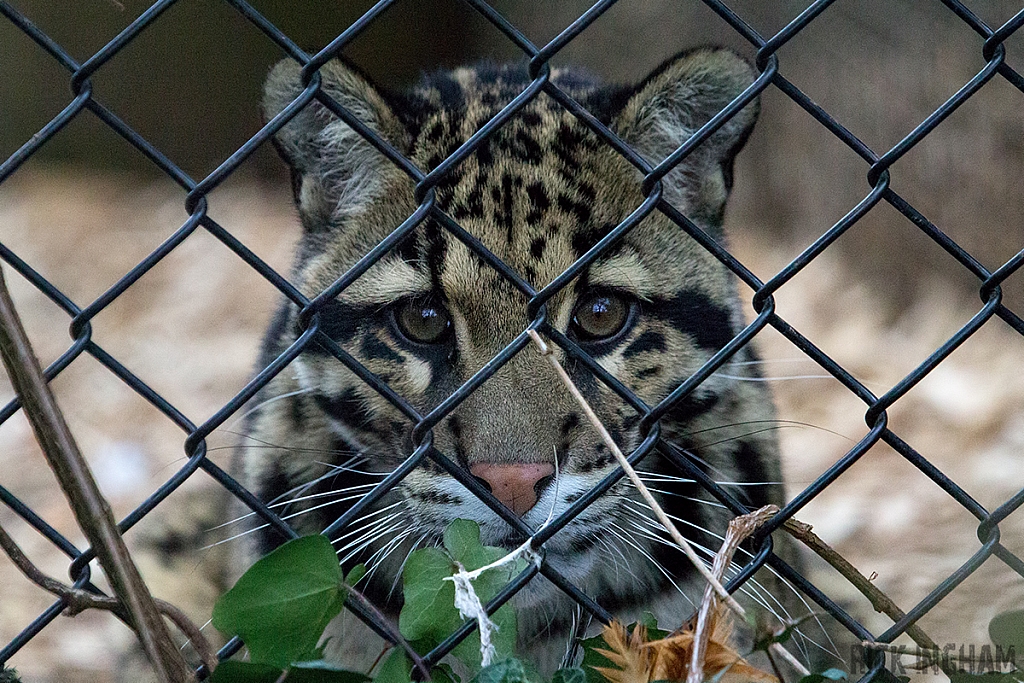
(418, 373)
(386, 282)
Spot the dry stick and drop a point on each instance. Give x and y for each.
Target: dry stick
(740, 528)
(655, 507)
(78, 600)
(91, 510)
(879, 600)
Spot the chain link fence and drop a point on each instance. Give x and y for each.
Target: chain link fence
(760, 293)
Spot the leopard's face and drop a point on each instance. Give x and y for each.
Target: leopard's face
(431, 313)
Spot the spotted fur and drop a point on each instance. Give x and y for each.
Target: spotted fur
(538, 194)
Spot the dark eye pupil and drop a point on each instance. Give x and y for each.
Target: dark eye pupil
(423, 321)
(600, 316)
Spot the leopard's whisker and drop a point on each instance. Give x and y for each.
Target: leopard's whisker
(263, 443)
(302, 489)
(576, 630)
(554, 496)
(364, 542)
(413, 546)
(692, 499)
(290, 502)
(363, 523)
(283, 518)
(298, 489)
(355, 496)
(640, 510)
(335, 468)
(773, 378)
(772, 424)
(693, 456)
(367, 535)
(666, 477)
(656, 527)
(647, 533)
(624, 536)
(263, 404)
(377, 559)
(613, 551)
(772, 361)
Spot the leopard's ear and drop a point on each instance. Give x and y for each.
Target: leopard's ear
(673, 103)
(335, 171)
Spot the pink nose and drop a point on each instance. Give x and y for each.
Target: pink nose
(514, 485)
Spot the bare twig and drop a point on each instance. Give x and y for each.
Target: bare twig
(91, 510)
(740, 528)
(879, 600)
(78, 600)
(33, 573)
(207, 654)
(655, 507)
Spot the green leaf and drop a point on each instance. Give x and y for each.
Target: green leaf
(828, 675)
(1007, 630)
(429, 611)
(989, 677)
(282, 604)
(573, 675)
(245, 672)
(507, 671)
(429, 614)
(462, 540)
(358, 572)
(397, 668)
(320, 671)
(592, 658)
(442, 673)
(650, 621)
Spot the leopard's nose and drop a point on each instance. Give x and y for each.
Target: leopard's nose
(517, 486)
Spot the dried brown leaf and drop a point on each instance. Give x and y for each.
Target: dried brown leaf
(640, 661)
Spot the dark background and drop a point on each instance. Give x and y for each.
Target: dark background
(190, 84)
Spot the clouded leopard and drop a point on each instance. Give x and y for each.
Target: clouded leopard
(538, 194)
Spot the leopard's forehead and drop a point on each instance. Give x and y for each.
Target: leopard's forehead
(531, 191)
(541, 189)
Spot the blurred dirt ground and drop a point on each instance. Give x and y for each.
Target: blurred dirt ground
(190, 329)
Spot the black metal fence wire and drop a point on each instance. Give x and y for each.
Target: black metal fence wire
(767, 62)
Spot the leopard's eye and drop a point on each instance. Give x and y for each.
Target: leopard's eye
(424, 321)
(600, 315)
